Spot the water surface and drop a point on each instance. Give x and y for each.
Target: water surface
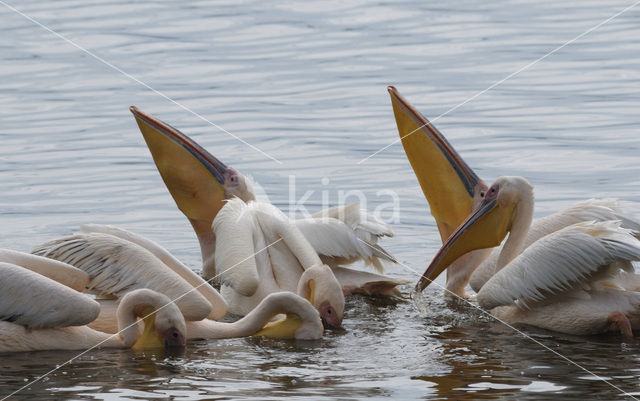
(305, 83)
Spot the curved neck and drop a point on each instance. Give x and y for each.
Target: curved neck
(127, 326)
(138, 303)
(519, 229)
(247, 326)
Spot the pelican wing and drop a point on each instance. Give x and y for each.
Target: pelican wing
(332, 239)
(589, 210)
(366, 283)
(219, 305)
(61, 272)
(364, 225)
(117, 266)
(235, 255)
(35, 301)
(564, 260)
(356, 222)
(446, 180)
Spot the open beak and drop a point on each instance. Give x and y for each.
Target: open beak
(447, 182)
(194, 177)
(485, 228)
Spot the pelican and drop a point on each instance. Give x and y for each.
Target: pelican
(453, 191)
(259, 252)
(117, 261)
(200, 183)
(38, 313)
(301, 321)
(576, 280)
(117, 265)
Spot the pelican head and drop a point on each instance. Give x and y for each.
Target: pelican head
(238, 186)
(164, 325)
(320, 287)
(485, 227)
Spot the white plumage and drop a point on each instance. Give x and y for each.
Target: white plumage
(117, 266)
(563, 274)
(566, 260)
(37, 313)
(355, 231)
(589, 210)
(358, 230)
(259, 251)
(58, 271)
(218, 305)
(309, 326)
(31, 300)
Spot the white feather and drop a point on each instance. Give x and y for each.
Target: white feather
(32, 300)
(345, 234)
(219, 306)
(364, 225)
(235, 254)
(561, 261)
(61, 272)
(589, 210)
(331, 237)
(117, 266)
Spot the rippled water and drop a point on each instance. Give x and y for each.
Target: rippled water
(305, 83)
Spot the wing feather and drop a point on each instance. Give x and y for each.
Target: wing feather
(332, 239)
(58, 271)
(345, 234)
(589, 210)
(219, 305)
(117, 266)
(561, 261)
(35, 301)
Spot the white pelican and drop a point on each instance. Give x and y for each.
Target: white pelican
(576, 280)
(199, 184)
(116, 266)
(37, 313)
(259, 252)
(302, 321)
(118, 261)
(453, 190)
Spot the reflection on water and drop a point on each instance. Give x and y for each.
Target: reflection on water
(306, 84)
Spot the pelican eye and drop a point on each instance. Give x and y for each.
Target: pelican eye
(492, 193)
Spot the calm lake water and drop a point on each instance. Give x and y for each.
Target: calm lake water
(305, 83)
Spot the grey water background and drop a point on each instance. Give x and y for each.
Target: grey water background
(305, 82)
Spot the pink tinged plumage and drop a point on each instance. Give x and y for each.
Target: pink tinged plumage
(40, 314)
(117, 266)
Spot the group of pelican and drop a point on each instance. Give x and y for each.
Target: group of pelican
(570, 272)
